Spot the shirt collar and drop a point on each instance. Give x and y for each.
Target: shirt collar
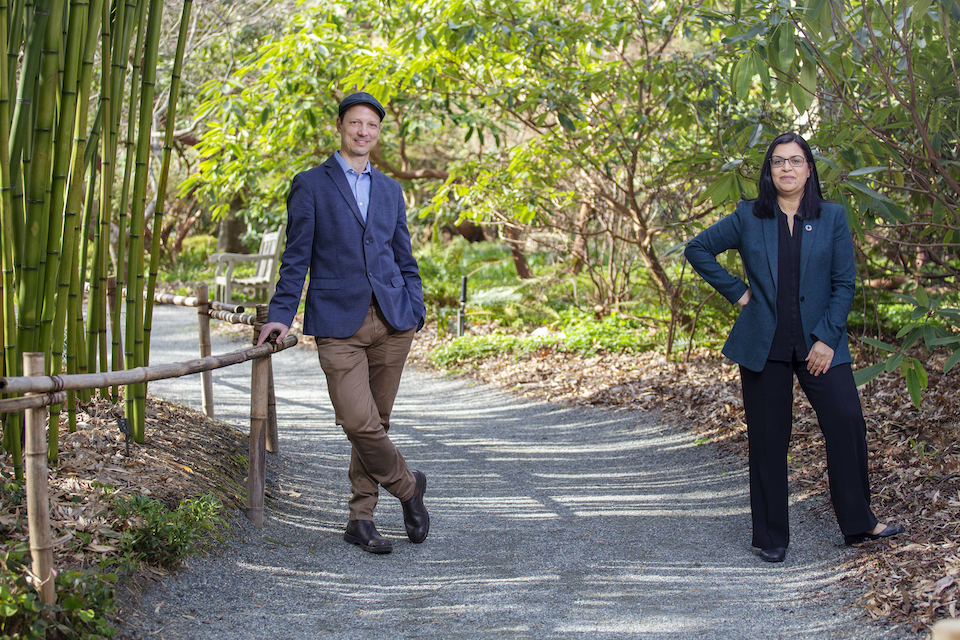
(346, 167)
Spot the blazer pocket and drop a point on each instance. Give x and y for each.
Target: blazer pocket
(324, 283)
(397, 281)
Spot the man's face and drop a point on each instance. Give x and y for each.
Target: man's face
(359, 129)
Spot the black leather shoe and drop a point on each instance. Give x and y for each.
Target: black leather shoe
(363, 533)
(416, 520)
(889, 531)
(775, 554)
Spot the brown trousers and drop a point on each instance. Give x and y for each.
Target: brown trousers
(363, 375)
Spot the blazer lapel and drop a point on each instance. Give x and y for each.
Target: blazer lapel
(771, 242)
(336, 174)
(811, 236)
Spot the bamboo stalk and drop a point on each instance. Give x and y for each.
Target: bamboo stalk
(30, 70)
(66, 195)
(206, 378)
(273, 431)
(256, 456)
(171, 117)
(11, 360)
(184, 301)
(113, 310)
(48, 384)
(179, 301)
(14, 405)
(272, 437)
(234, 318)
(38, 502)
(39, 187)
(54, 307)
(133, 15)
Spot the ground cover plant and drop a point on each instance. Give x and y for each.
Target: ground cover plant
(118, 520)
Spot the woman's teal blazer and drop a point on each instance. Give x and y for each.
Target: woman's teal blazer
(827, 279)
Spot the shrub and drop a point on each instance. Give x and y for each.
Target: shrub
(156, 535)
(84, 600)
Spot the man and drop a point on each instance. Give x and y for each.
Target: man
(347, 224)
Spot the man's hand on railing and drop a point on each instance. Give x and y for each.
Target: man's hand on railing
(269, 328)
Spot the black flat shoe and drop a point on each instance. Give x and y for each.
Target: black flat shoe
(416, 520)
(889, 531)
(364, 534)
(776, 554)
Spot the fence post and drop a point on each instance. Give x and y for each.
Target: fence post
(206, 377)
(273, 439)
(947, 629)
(462, 311)
(273, 435)
(38, 501)
(257, 468)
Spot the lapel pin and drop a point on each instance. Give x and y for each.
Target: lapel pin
(809, 227)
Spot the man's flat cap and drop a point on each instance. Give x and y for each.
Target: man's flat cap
(361, 98)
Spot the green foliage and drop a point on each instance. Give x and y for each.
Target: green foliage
(938, 328)
(886, 98)
(573, 333)
(156, 535)
(493, 291)
(192, 264)
(614, 128)
(85, 599)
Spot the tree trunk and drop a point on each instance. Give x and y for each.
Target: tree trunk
(512, 236)
(579, 248)
(232, 229)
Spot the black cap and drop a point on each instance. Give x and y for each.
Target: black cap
(361, 98)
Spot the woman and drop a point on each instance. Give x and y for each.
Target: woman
(798, 257)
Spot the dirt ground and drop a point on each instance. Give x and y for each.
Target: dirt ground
(914, 453)
(915, 459)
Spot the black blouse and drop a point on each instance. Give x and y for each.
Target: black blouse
(788, 343)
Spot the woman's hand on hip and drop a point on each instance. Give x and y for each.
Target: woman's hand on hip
(819, 358)
(745, 298)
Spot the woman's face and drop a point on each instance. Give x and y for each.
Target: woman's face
(788, 179)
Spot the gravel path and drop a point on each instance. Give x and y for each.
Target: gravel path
(546, 522)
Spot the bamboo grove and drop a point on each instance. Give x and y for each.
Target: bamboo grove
(77, 103)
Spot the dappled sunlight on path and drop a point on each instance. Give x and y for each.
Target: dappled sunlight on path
(546, 522)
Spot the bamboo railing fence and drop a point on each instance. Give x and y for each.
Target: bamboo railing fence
(42, 391)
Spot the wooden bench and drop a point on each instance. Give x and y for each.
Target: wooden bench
(264, 280)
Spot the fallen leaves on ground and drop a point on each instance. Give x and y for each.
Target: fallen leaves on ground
(184, 455)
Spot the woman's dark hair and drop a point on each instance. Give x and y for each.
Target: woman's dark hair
(764, 205)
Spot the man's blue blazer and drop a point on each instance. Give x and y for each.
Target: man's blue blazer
(349, 260)
(827, 279)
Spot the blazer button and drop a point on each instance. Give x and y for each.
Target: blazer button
(370, 273)
(801, 298)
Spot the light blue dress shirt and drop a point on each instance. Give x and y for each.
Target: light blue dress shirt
(359, 183)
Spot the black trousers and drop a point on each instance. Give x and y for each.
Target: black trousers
(768, 405)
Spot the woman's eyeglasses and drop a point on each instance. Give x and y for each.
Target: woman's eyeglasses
(795, 161)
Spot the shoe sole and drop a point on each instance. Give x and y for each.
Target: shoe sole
(368, 548)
